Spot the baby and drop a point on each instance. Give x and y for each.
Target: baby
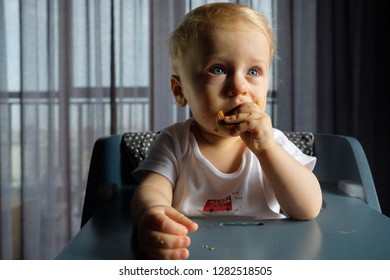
(227, 160)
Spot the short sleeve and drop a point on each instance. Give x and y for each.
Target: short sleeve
(294, 151)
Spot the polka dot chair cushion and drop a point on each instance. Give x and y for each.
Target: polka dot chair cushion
(138, 143)
(303, 140)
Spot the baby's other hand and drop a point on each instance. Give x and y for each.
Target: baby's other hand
(162, 233)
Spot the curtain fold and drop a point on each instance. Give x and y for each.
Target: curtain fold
(296, 75)
(113, 110)
(6, 246)
(164, 16)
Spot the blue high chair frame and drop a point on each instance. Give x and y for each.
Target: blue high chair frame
(341, 165)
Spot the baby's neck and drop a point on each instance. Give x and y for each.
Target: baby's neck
(225, 153)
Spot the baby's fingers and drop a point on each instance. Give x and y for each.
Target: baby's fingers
(158, 245)
(165, 254)
(182, 219)
(171, 222)
(166, 241)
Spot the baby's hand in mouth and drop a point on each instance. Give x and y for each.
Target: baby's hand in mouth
(233, 121)
(221, 125)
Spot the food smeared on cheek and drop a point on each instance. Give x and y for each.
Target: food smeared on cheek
(261, 102)
(220, 120)
(220, 116)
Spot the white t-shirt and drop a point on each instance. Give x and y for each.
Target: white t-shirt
(200, 189)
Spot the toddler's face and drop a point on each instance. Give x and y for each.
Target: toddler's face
(229, 68)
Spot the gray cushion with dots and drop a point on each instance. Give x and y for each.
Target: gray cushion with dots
(138, 143)
(303, 140)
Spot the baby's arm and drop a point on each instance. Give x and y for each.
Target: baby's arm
(162, 230)
(296, 188)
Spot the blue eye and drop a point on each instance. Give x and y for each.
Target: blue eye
(253, 72)
(217, 70)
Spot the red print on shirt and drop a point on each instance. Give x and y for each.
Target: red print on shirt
(224, 204)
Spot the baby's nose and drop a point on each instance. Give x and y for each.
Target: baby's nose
(237, 86)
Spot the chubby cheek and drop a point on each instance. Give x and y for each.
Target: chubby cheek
(208, 113)
(206, 101)
(206, 116)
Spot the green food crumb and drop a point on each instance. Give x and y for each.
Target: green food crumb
(208, 248)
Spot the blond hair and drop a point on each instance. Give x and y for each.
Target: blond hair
(197, 24)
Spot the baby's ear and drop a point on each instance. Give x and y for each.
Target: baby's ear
(177, 91)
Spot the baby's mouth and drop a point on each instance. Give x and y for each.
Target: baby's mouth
(221, 114)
